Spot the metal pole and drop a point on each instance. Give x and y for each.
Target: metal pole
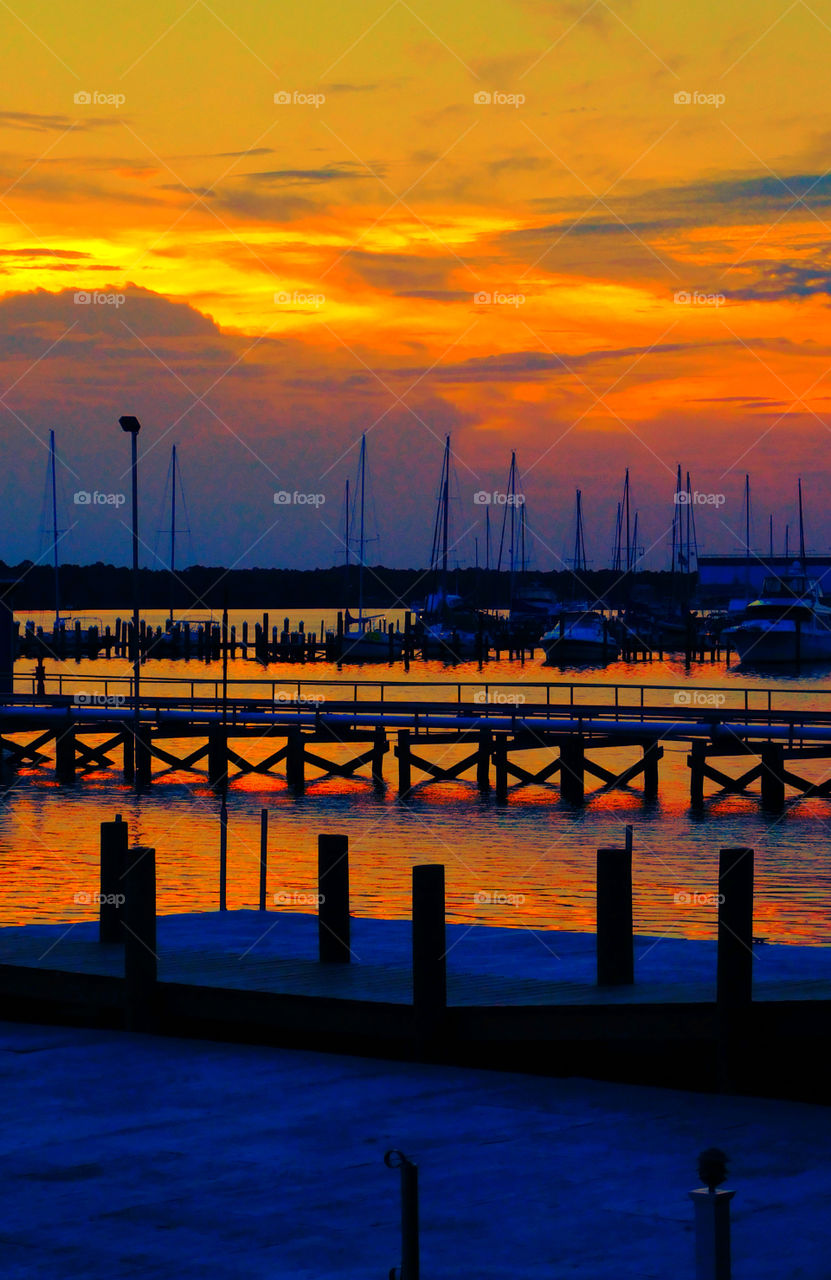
(410, 1266)
(136, 653)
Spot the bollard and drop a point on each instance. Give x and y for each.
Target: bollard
(712, 1218)
(429, 945)
(223, 855)
(409, 1269)
(263, 855)
(333, 924)
(140, 959)
(615, 943)
(113, 865)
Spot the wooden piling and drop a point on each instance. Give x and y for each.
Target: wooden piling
(572, 783)
(217, 755)
(333, 923)
(429, 945)
(403, 753)
(140, 958)
(483, 760)
(773, 777)
(500, 761)
(113, 846)
(263, 855)
(295, 760)
(615, 941)
(735, 928)
(696, 760)
(65, 753)
(379, 746)
(651, 756)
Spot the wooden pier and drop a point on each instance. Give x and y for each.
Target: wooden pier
(586, 1004)
(511, 735)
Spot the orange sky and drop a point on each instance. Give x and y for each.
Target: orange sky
(617, 255)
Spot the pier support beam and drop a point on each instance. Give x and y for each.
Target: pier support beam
(429, 948)
(615, 943)
(217, 755)
(572, 776)
(113, 866)
(333, 924)
(404, 767)
(734, 982)
(500, 761)
(144, 773)
(295, 760)
(651, 756)
(65, 753)
(773, 778)
(379, 747)
(696, 760)
(140, 958)
(483, 760)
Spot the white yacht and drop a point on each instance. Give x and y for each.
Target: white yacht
(788, 623)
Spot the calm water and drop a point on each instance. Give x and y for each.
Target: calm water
(529, 864)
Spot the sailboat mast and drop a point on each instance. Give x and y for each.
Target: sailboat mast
(801, 527)
(362, 466)
(626, 507)
(54, 525)
(172, 529)
(445, 516)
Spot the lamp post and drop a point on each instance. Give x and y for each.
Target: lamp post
(132, 426)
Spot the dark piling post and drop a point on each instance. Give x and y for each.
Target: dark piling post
(379, 746)
(696, 760)
(140, 958)
(429, 947)
(217, 755)
(129, 755)
(223, 855)
(263, 855)
(410, 1262)
(295, 760)
(113, 865)
(65, 753)
(408, 639)
(500, 760)
(142, 756)
(403, 753)
(572, 785)
(483, 760)
(773, 778)
(333, 923)
(615, 942)
(735, 927)
(651, 756)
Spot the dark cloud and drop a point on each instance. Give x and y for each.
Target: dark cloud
(33, 122)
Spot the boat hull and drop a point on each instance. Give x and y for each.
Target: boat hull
(779, 643)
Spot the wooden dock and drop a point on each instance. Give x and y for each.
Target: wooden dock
(609, 1005)
(511, 735)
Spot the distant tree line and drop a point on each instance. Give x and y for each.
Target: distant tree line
(85, 588)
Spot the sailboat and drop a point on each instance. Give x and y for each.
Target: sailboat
(364, 638)
(581, 634)
(789, 622)
(449, 625)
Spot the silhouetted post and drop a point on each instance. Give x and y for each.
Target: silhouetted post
(429, 946)
(483, 760)
(295, 760)
(65, 753)
(379, 746)
(651, 756)
(129, 755)
(500, 761)
(113, 864)
(615, 942)
(712, 1218)
(142, 756)
(263, 855)
(408, 639)
(735, 927)
(773, 777)
(217, 755)
(410, 1263)
(333, 923)
(403, 754)
(140, 959)
(223, 855)
(696, 760)
(571, 769)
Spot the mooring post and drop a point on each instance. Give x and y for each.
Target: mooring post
(403, 754)
(572, 754)
(333, 923)
(773, 777)
(651, 756)
(263, 855)
(429, 947)
(483, 760)
(65, 753)
(295, 760)
(735, 927)
(615, 941)
(712, 1218)
(223, 855)
(129, 754)
(142, 756)
(113, 864)
(379, 745)
(140, 959)
(410, 1263)
(217, 755)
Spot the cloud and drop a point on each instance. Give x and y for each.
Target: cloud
(33, 122)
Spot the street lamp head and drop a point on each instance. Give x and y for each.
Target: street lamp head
(130, 424)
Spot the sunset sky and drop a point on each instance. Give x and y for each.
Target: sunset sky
(644, 196)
